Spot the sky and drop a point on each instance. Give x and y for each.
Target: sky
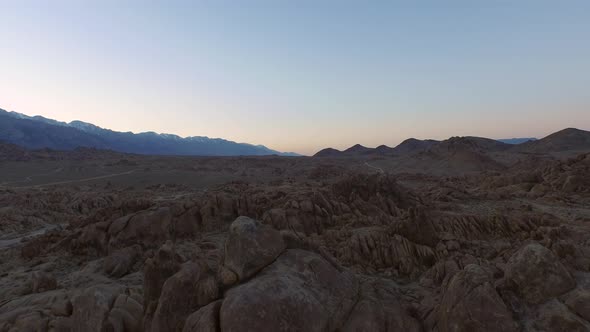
(301, 75)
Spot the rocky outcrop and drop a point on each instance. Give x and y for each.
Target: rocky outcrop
(35, 312)
(471, 303)
(43, 281)
(375, 247)
(578, 301)
(146, 227)
(338, 249)
(418, 228)
(378, 189)
(157, 270)
(183, 293)
(294, 289)
(204, 320)
(250, 247)
(91, 308)
(299, 290)
(379, 308)
(121, 261)
(538, 178)
(151, 227)
(537, 275)
(555, 316)
(125, 315)
(469, 227)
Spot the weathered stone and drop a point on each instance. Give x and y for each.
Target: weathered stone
(156, 271)
(378, 308)
(149, 227)
(182, 294)
(578, 301)
(300, 291)
(121, 261)
(205, 319)
(251, 246)
(125, 316)
(43, 281)
(554, 316)
(537, 274)
(471, 303)
(91, 308)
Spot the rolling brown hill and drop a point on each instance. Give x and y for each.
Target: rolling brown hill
(413, 145)
(328, 152)
(569, 139)
(469, 143)
(358, 149)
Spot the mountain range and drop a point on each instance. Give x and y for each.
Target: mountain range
(516, 140)
(37, 132)
(569, 139)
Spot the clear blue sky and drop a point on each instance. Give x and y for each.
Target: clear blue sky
(301, 75)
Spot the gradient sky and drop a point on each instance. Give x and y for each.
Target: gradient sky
(301, 75)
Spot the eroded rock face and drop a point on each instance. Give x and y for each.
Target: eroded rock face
(121, 261)
(578, 301)
(471, 303)
(418, 228)
(91, 308)
(379, 308)
(251, 246)
(537, 274)
(34, 312)
(157, 270)
(300, 291)
(43, 281)
(183, 293)
(125, 315)
(205, 319)
(149, 227)
(375, 247)
(555, 316)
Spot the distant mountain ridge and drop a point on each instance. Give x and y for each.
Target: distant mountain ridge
(408, 146)
(37, 132)
(516, 140)
(13, 152)
(570, 139)
(469, 143)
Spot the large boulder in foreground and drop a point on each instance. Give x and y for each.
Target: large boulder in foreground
(92, 307)
(578, 301)
(126, 315)
(555, 316)
(251, 246)
(300, 291)
(295, 289)
(204, 320)
(186, 291)
(379, 308)
(33, 312)
(537, 274)
(157, 270)
(471, 303)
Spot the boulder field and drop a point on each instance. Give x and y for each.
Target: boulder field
(366, 252)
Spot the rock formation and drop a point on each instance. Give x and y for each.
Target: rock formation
(305, 244)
